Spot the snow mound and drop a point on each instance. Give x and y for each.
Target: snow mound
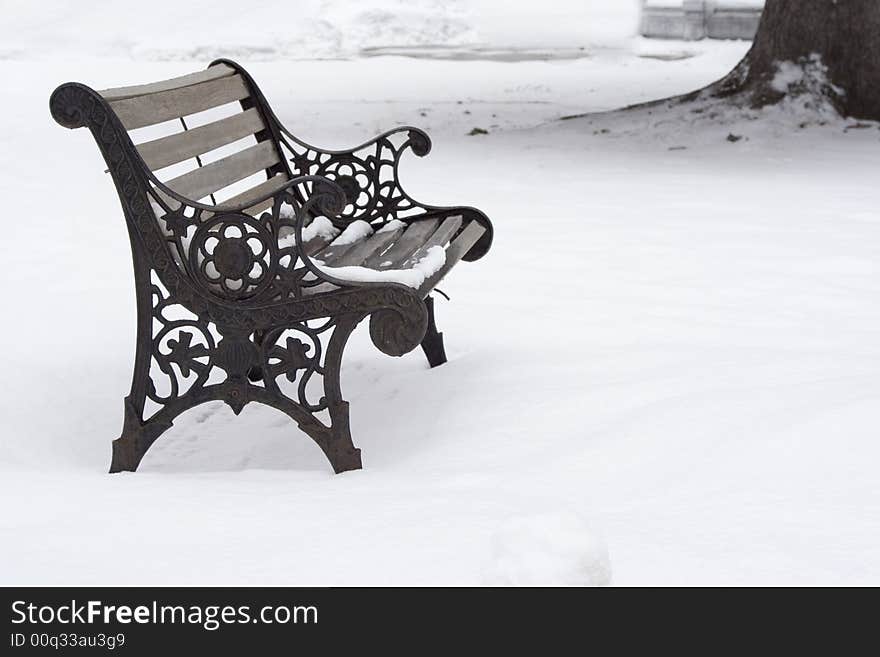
(552, 549)
(806, 100)
(355, 232)
(807, 77)
(319, 227)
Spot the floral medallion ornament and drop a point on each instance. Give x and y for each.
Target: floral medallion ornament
(359, 180)
(234, 255)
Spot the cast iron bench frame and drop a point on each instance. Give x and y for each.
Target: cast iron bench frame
(292, 319)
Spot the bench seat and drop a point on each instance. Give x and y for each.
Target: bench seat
(416, 254)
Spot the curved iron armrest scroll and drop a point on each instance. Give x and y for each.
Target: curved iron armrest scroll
(417, 139)
(369, 175)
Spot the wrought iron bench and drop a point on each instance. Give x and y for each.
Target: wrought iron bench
(252, 298)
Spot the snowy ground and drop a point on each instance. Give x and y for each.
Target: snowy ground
(668, 361)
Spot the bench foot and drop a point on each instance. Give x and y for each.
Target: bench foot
(127, 454)
(345, 461)
(336, 441)
(432, 343)
(136, 439)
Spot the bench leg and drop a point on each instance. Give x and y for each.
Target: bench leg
(334, 438)
(245, 362)
(335, 441)
(432, 343)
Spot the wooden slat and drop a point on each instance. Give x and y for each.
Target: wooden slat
(208, 179)
(212, 73)
(271, 185)
(413, 237)
(331, 254)
(312, 246)
(315, 244)
(363, 250)
(440, 237)
(158, 107)
(454, 253)
(181, 146)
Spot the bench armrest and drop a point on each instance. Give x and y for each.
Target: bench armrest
(369, 174)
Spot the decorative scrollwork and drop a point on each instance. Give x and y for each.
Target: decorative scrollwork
(186, 349)
(368, 174)
(70, 105)
(185, 354)
(296, 354)
(397, 331)
(182, 346)
(292, 357)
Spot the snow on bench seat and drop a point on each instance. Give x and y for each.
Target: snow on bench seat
(417, 254)
(412, 276)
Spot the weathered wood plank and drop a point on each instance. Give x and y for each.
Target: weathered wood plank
(311, 247)
(271, 185)
(440, 237)
(356, 233)
(206, 180)
(181, 146)
(329, 254)
(315, 244)
(413, 237)
(155, 108)
(454, 253)
(363, 250)
(212, 73)
(332, 252)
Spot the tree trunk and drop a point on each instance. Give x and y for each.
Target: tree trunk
(845, 34)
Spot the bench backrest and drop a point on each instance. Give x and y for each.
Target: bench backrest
(212, 128)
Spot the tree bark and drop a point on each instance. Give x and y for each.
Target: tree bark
(845, 34)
